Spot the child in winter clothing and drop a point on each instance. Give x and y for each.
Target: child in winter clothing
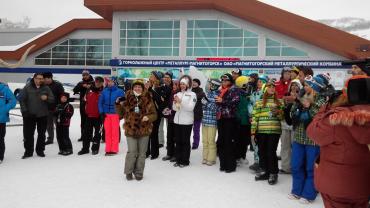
(7, 102)
(266, 126)
(93, 120)
(304, 150)
(259, 85)
(287, 128)
(107, 101)
(209, 123)
(64, 113)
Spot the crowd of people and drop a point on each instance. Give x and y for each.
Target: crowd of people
(301, 111)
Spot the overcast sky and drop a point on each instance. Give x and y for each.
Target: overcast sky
(51, 13)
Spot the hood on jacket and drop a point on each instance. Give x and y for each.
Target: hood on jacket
(349, 116)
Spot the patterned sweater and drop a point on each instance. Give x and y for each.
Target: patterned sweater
(210, 109)
(263, 120)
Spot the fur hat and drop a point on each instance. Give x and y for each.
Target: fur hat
(138, 82)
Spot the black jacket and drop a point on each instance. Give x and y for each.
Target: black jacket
(160, 96)
(31, 103)
(57, 89)
(79, 89)
(198, 110)
(64, 113)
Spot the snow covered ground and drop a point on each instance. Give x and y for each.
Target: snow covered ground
(98, 181)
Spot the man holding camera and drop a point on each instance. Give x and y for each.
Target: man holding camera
(81, 88)
(35, 100)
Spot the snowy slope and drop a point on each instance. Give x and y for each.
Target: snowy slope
(97, 181)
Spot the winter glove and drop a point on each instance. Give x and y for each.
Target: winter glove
(204, 101)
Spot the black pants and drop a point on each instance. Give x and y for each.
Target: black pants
(153, 146)
(226, 143)
(243, 139)
(83, 116)
(267, 145)
(29, 126)
(92, 125)
(2, 142)
(171, 139)
(183, 148)
(64, 142)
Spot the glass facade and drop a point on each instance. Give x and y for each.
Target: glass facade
(149, 38)
(277, 48)
(85, 52)
(219, 38)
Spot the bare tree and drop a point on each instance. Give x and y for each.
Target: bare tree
(8, 24)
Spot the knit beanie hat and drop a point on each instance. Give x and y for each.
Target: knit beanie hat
(227, 76)
(297, 82)
(170, 74)
(158, 75)
(317, 83)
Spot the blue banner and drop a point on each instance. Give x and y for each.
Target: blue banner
(224, 64)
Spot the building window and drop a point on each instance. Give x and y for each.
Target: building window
(149, 38)
(277, 48)
(219, 38)
(84, 52)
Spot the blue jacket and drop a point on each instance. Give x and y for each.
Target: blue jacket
(7, 102)
(108, 98)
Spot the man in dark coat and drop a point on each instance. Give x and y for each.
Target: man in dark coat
(35, 99)
(81, 88)
(57, 89)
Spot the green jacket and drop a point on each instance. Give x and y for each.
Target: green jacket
(242, 112)
(263, 120)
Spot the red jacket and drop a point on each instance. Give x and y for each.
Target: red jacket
(281, 88)
(92, 99)
(344, 167)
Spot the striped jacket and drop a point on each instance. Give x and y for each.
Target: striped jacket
(263, 121)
